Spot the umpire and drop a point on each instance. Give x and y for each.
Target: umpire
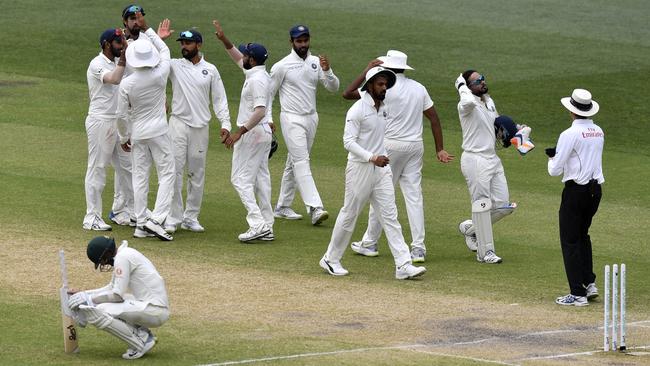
(578, 155)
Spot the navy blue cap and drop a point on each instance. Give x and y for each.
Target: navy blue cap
(298, 30)
(508, 126)
(190, 35)
(254, 50)
(132, 9)
(110, 35)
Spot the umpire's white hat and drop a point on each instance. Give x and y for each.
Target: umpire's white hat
(395, 60)
(580, 103)
(141, 53)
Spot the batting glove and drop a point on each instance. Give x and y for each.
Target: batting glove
(80, 298)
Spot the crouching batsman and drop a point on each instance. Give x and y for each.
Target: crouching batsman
(134, 301)
(483, 128)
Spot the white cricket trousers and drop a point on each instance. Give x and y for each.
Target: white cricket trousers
(366, 182)
(190, 146)
(250, 175)
(159, 151)
(406, 166)
(485, 178)
(299, 132)
(104, 149)
(136, 312)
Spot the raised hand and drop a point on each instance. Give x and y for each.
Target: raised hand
(218, 31)
(324, 62)
(163, 29)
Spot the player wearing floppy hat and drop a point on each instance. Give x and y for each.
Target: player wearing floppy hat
(578, 157)
(406, 103)
(368, 178)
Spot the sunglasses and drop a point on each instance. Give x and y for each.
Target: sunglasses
(133, 9)
(187, 34)
(478, 81)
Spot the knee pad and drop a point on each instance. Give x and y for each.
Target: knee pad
(483, 225)
(95, 316)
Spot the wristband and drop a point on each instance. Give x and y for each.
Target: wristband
(459, 85)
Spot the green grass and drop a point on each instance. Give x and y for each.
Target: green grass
(532, 53)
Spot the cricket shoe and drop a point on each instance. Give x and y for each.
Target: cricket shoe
(122, 218)
(418, 255)
(369, 250)
(98, 224)
(592, 291)
(153, 227)
(268, 237)
(490, 258)
(318, 215)
(470, 239)
(571, 300)
(522, 141)
(335, 269)
(252, 234)
(132, 354)
(286, 212)
(192, 225)
(169, 228)
(140, 232)
(408, 271)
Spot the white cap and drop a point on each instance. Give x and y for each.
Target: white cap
(395, 60)
(141, 53)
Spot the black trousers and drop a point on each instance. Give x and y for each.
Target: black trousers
(578, 207)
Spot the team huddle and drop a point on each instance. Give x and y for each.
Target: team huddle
(128, 127)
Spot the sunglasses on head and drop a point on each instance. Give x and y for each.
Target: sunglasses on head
(478, 81)
(187, 34)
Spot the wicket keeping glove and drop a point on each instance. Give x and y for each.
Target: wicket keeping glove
(80, 298)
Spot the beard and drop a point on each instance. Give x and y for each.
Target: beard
(302, 51)
(116, 52)
(134, 32)
(482, 91)
(189, 55)
(247, 65)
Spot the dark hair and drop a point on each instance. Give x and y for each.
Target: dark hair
(467, 74)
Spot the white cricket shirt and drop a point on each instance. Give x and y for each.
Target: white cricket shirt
(254, 93)
(135, 274)
(191, 87)
(477, 117)
(405, 103)
(142, 96)
(297, 80)
(103, 97)
(579, 153)
(363, 135)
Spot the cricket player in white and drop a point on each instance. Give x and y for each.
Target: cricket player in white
(406, 103)
(193, 79)
(252, 141)
(296, 77)
(104, 74)
(368, 178)
(481, 166)
(142, 101)
(134, 301)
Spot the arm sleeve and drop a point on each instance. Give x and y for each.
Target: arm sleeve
(113, 77)
(122, 114)
(256, 117)
(466, 104)
(163, 50)
(220, 101)
(328, 79)
(236, 56)
(351, 135)
(562, 152)
(121, 275)
(426, 99)
(277, 76)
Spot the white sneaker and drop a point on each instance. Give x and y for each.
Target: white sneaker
(252, 234)
(156, 229)
(408, 271)
(571, 300)
(192, 225)
(592, 291)
(318, 215)
(98, 224)
(132, 354)
(286, 212)
(122, 219)
(369, 250)
(470, 239)
(418, 255)
(140, 232)
(169, 228)
(335, 269)
(268, 237)
(490, 258)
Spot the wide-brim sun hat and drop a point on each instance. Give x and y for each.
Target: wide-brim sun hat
(378, 70)
(580, 103)
(141, 53)
(395, 60)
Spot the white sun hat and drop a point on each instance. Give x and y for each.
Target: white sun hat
(580, 103)
(395, 60)
(141, 53)
(374, 72)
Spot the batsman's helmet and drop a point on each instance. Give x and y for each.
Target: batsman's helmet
(98, 247)
(505, 129)
(274, 146)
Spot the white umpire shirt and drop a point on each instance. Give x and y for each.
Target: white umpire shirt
(477, 117)
(579, 153)
(135, 274)
(254, 93)
(297, 80)
(363, 135)
(191, 85)
(405, 103)
(142, 97)
(103, 97)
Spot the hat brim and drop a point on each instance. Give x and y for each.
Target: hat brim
(566, 102)
(387, 73)
(389, 64)
(300, 34)
(188, 39)
(135, 62)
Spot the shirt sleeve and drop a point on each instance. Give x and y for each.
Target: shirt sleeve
(277, 76)
(220, 101)
(563, 150)
(121, 275)
(328, 79)
(426, 99)
(122, 113)
(163, 50)
(467, 102)
(97, 71)
(351, 136)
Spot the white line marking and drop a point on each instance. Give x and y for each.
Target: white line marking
(465, 357)
(546, 332)
(588, 353)
(469, 342)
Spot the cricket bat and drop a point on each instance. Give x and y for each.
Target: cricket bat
(70, 342)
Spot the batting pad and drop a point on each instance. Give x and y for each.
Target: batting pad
(502, 211)
(102, 320)
(482, 220)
